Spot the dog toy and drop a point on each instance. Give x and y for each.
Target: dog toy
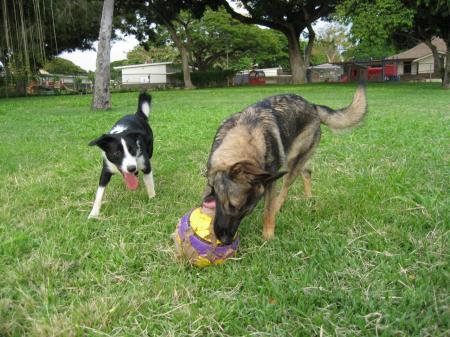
(195, 240)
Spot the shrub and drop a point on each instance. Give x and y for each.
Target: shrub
(207, 79)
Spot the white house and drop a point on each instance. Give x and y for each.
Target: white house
(418, 62)
(149, 73)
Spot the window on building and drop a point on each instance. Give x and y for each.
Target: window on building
(407, 68)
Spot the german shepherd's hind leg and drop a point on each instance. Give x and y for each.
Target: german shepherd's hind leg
(298, 158)
(288, 180)
(306, 174)
(269, 211)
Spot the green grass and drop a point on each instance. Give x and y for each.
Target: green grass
(367, 256)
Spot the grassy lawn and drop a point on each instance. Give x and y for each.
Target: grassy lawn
(367, 256)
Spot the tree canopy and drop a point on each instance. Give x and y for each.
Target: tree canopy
(142, 18)
(331, 43)
(62, 66)
(372, 24)
(290, 18)
(216, 42)
(151, 53)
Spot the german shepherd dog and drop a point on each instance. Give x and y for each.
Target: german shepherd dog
(253, 148)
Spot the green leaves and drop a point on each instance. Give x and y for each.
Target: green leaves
(62, 66)
(373, 21)
(217, 36)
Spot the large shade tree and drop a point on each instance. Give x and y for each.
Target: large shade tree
(372, 23)
(291, 18)
(221, 42)
(142, 18)
(216, 41)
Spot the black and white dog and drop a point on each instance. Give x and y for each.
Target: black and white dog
(127, 148)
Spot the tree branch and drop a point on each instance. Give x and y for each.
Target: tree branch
(170, 27)
(309, 46)
(251, 20)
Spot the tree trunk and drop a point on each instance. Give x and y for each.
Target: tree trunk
(445, 80)
(308, 50)
(184, 56)
(102, 96)
(186, 71)
(438, 66)
(21, 86)
(295, 58)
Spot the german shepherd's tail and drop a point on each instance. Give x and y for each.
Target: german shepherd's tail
(347, 117)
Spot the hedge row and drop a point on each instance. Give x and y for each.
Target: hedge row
(203, 79)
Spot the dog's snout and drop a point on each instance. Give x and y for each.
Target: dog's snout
(131, 168)
(226, 239)
(222, 234)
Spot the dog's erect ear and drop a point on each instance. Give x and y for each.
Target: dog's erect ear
(102, 141)
(244, 171)
(249, 172)
(274, 176)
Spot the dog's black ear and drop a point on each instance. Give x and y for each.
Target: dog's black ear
(102, 141)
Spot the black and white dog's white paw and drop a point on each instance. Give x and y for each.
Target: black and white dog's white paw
(149, 185)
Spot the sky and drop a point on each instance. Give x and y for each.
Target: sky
(87, 59)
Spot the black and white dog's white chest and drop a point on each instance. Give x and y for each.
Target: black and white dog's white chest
(127, 149)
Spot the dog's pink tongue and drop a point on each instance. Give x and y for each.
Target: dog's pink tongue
(131, 180)
(209, 203)
(209, 207)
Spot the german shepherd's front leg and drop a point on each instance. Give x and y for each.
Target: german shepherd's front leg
(270, 211)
